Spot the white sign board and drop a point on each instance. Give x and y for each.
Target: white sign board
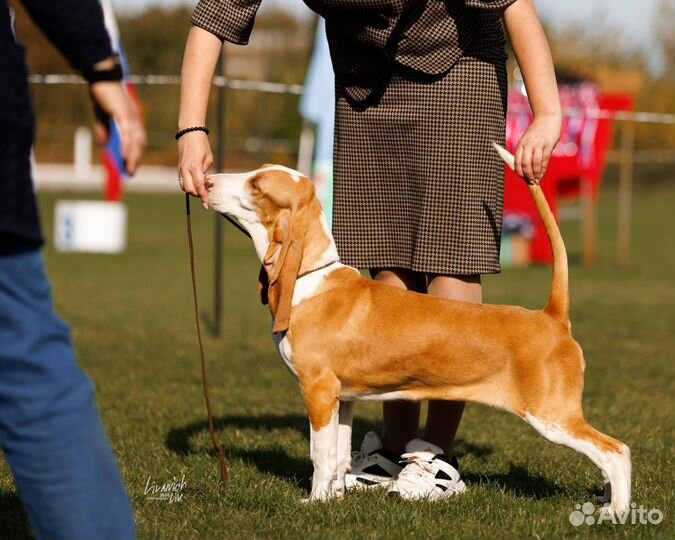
(90, 226)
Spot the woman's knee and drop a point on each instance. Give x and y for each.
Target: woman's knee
(466, 288)
(401, 278)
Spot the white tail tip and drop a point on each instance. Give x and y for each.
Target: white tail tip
(505, 155)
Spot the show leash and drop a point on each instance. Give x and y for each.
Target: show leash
(224, 476)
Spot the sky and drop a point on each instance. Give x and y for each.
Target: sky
(633, 18)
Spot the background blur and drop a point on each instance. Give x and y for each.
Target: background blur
(622, 48)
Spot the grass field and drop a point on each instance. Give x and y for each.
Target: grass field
(132, 324)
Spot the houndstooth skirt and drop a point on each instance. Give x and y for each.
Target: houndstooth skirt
(417, 184)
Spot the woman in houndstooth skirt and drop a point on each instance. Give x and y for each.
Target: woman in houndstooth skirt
(420, 95)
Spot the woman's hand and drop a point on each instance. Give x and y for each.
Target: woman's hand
(194, 159)
(535, 147)
(534, 58)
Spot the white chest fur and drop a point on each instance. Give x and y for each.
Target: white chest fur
(307, 286)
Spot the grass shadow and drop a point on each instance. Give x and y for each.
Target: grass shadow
(464, 448)
(13, 521)
(178, 440)
(518, 482)
(276, 461)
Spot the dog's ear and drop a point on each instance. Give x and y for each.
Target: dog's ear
(282, 265)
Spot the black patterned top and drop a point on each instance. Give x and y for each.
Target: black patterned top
(366, 37)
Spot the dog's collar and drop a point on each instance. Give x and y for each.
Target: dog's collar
(318, 268)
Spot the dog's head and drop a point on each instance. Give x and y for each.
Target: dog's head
(275, 205)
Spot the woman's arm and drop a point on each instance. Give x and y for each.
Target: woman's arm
(534, 58)
(202, 51)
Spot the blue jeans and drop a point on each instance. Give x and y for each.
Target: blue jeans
(50, 430)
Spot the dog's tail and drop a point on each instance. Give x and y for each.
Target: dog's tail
(558, 304)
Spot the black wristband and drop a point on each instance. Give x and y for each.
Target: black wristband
(190, 130)
(113, 74)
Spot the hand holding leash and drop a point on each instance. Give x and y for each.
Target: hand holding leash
(194, 159)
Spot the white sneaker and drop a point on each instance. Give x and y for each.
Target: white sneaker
(429, 473)
(372, 466)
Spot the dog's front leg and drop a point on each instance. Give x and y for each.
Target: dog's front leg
(323, 452)
(323, 405)
(344, 446)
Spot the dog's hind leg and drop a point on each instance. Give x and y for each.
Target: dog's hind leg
(344, 446)
(323, 406)
(612, 457)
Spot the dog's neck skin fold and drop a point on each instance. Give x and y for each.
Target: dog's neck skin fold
(315, 258)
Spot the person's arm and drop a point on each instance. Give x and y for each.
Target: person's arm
(202, 51)
(534, 59)
(111, 100)
(75, 27)
(214, 21)
(77, 30)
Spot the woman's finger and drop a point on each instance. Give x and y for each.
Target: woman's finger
(204, 192)
(198, 180)
(527, 162)
(537, 160)
(546, 156)
(518, 162)
(187, 183)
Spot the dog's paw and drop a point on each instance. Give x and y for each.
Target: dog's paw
(325, 496)
(611, 512)
(317, 496)
(338, 490)
(313, 500)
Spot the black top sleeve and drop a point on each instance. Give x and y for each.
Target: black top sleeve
(229, 20)
(75, 27)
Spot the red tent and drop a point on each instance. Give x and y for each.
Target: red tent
(578, 163)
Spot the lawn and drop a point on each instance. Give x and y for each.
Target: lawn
(133, 329)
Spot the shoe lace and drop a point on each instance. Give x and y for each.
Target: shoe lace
(415, 466)
(361, 456)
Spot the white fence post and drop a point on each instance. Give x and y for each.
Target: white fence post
(83, 153)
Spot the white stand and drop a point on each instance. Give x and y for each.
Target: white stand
(90, 226)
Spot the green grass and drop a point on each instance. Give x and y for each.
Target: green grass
(133, 329)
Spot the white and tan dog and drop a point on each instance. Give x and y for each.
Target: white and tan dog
(347, 338)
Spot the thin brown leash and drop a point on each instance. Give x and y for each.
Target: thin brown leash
(224, 476)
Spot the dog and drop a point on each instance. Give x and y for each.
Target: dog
(346, 337)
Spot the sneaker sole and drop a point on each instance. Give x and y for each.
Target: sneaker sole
(361, 483)
(460, 488)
